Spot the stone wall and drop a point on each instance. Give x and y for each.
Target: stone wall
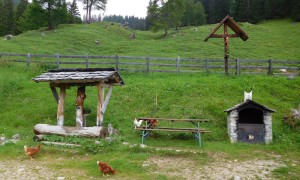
(268, 127)
(232, 125)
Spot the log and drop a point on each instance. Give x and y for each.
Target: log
(95, 131)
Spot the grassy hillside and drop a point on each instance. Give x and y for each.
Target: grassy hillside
(277, 39)
(25, 103)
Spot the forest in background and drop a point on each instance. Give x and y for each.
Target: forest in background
(20, 16)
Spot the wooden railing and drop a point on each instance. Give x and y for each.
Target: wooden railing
(156, 64)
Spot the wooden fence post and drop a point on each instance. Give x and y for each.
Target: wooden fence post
(270, 68)
(237, 67)
(57, 60)
(206, 65)
(87, 61)
(117, 62)
(148, 65)
(178, 64)
(28, 59)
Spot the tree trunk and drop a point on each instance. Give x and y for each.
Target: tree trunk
(87, 12)
(90, 12)
(49, 16)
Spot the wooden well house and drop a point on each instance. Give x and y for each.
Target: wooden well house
(64, 79)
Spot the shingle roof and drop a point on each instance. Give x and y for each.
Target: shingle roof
(246, 103)
(80, 75)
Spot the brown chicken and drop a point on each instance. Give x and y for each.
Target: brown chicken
(105, 168)
(152, 123)
(31, 151)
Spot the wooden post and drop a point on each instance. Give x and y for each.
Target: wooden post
(206, 65)
(226, 55)
(270, 68)
(87, 61)
(237, 67)
(57, 60)
(99, 121)
(178, 64)
(28, 59)
(117, 62)
(147, 64)
(60, 107)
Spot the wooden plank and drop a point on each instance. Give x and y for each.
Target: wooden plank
(166, 128)
(175, 130)
(60, 144)
(175, 120)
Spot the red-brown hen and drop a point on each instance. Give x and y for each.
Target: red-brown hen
(31, 151)
(105, 168)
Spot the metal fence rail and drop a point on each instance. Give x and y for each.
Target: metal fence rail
(155, 64)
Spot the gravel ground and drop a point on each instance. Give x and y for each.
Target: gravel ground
(181, 168)
(172, 167)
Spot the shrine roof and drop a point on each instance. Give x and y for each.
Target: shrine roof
(81, 76)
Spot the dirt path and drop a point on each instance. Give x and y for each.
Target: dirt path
(29, 169)
(35, 170)
(182, 168)
(172, 167)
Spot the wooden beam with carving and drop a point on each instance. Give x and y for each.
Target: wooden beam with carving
(80, 106)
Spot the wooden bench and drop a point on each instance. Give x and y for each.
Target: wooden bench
(197, 131)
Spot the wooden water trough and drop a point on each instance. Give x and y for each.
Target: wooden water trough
(66, 78)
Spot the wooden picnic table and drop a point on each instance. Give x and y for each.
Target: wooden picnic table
(196, 130)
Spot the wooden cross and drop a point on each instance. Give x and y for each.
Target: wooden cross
(227, 21)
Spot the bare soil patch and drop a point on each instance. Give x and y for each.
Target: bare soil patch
(183, 168)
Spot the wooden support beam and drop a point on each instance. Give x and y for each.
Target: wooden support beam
(99, 121)
(60, 107)
(54, 92)
(224, 35)
(106, 99)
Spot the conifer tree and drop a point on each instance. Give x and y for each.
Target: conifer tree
(21, 7)
(73, 13)
(7, 25)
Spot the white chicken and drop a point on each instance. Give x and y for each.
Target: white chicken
(137, 123)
